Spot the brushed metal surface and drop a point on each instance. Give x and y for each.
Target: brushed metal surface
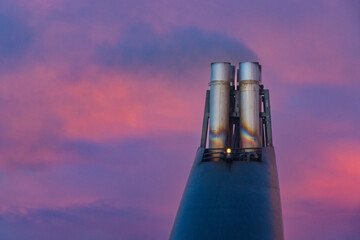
(250, 105)
(219, 104)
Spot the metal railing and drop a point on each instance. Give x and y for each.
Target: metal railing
(237, 154)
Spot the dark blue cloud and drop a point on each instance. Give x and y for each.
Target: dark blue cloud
(179, 50)
(140, 169)
(15, 36)
(93, 222)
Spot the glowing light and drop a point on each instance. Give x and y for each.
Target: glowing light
(228, 150)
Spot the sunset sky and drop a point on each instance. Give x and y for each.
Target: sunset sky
(101, 106)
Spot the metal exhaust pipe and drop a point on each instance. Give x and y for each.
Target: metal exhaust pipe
(249, 76)
(219, 104)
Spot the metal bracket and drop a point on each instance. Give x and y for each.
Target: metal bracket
(205, 120)
(266, 116)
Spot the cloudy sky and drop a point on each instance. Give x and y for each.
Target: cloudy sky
(101, 106)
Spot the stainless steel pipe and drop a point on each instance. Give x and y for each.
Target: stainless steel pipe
(249, 75)
(219, 104)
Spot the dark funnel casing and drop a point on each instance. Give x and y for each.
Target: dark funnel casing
(233, 192)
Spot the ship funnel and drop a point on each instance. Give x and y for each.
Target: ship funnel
(233, 188)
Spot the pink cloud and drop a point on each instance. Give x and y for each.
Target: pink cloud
(340, 177)
(122, 105)
(99, 106)
(331, 178)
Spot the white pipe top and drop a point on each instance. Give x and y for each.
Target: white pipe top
(249, 71)
(221, 71)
